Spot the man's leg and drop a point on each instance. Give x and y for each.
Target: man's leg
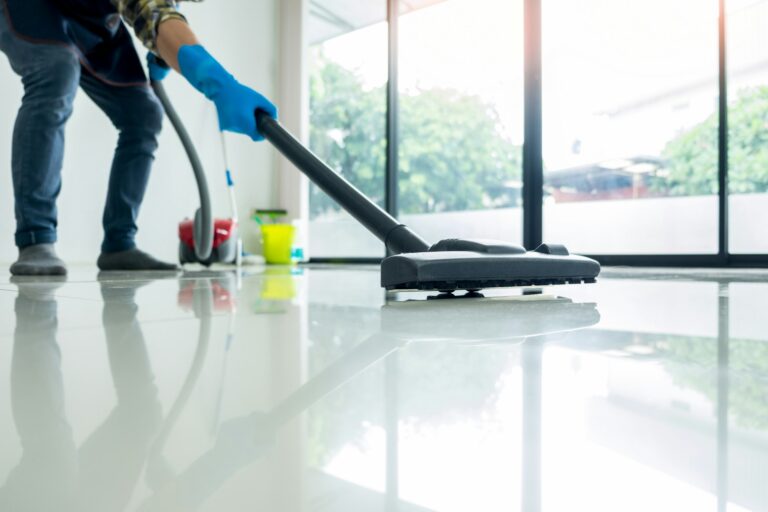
(137, 114)
(50, 74)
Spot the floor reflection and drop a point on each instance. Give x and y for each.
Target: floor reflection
(54, 473)
(311, 390)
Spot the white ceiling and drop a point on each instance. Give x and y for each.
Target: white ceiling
(330, 18)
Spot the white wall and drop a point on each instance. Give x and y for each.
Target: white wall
(243, 37)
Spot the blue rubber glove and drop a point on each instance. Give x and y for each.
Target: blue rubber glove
(158, 69)
(235, 103)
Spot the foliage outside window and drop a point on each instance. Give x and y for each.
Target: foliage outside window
(454, 155)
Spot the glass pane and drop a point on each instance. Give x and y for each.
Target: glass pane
(630, 125)
(461, 64)
(748, 124)
(348, 75)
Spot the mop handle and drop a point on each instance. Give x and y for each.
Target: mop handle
(230, 181)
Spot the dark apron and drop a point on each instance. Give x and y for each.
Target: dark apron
(92, 27)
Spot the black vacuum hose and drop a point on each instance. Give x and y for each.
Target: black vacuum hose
(203, 223)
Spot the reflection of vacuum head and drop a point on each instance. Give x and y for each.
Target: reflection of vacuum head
(486, 320)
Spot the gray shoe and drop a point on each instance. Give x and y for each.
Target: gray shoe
(39, 260)
(132, 259)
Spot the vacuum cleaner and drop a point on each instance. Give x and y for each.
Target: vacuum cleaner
(203, 239)
(447, 266)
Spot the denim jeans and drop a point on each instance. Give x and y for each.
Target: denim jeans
(51, 74)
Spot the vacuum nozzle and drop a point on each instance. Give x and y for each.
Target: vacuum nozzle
(473, 265)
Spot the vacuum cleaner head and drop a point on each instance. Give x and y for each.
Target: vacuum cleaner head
(474, 265)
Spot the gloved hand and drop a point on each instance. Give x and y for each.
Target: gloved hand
(235, 103)
(158, 69)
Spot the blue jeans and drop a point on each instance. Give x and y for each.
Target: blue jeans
(51, 75)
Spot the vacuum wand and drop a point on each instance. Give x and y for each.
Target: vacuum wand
(449, 265)
(396, 236)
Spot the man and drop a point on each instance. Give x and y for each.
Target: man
(57, 45)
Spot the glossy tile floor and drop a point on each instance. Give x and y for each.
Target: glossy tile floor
(310, 389)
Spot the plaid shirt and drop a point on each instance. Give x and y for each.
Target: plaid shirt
(145, 16)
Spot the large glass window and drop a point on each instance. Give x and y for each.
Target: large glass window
(348, 76)
(461, 119)
(748, 124)
(630, 125)
(630, 122)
